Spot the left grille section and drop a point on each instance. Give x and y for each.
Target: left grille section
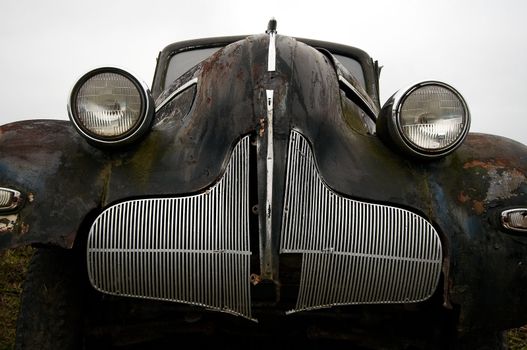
(192, 249)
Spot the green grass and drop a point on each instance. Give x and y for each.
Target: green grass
(518, 338)
(13, 268)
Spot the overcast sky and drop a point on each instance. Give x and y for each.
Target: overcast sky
(479, 47)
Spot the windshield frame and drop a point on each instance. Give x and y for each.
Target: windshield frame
(369, 67)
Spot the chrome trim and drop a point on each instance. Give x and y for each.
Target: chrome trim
(192, 249)
(269, 169)
(271, 60)
(372, 110)
(508, 222)
(175, 93)
(9, 199)
(354, 252)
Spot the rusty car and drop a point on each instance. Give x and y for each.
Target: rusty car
(260, 189)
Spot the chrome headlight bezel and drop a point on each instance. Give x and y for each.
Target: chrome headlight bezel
(390, 129)
(139, 128)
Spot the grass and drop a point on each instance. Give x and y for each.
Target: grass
(518, 338)
(13, 268)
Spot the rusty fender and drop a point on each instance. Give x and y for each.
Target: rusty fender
(61, 179)
(463, 195)
(488, 265)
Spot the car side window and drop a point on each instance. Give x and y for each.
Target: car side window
(354, 67)
(183, 61)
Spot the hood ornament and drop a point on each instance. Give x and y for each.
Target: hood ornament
(271, 26)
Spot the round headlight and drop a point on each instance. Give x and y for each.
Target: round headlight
(109, 106)
(429, 119)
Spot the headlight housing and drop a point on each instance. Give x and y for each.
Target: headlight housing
(428, 120)
(110, 106)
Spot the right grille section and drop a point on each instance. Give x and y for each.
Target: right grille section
(353, 252)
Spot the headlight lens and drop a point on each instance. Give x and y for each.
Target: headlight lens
(428, 120)
(432, 117)
(110, 106)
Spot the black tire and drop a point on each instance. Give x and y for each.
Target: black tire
(50, 315)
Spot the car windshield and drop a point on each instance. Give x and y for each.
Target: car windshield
(183, 61)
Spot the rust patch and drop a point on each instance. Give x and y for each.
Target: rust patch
(24, 229)
(478, 206)
(255, 279)
(463, 197)
(7, 223)
(261, 129)
(497, 163)
(503, 183)
(502, 180)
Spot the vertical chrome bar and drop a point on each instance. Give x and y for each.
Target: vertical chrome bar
(269, 167)
(271, 57)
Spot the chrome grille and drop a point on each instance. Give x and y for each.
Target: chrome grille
(192, 249)
(353, 252)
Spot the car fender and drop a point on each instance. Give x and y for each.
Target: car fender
(60, 178)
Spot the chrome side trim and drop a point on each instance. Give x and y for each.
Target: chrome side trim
(366, 101)
(192, 249)
(353, 252)
(176, 92)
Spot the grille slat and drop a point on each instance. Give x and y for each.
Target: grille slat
(353, 252)
(192, 249)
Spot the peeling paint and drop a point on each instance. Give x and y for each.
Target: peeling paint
(24, 229)
(7, 223)
(261, 129)
(503, 181)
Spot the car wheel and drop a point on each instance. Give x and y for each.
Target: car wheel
(50, 315)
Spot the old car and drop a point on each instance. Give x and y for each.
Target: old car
(260, 191)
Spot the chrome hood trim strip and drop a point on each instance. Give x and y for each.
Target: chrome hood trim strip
(353, 252)
(175, 93)
(192, 249)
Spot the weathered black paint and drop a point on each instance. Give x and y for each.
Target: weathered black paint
(462, 194)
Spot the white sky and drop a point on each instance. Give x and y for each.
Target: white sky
(479, 47)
